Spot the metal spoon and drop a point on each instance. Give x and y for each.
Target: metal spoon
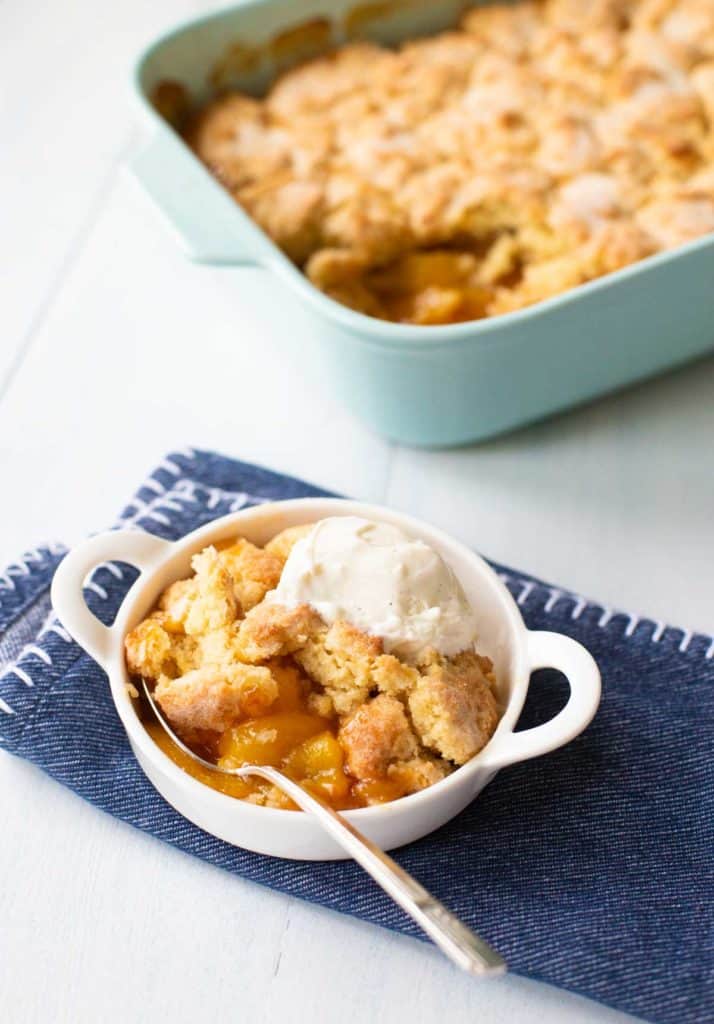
(466, 949)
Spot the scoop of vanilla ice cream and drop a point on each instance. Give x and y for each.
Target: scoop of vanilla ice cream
(382, 581)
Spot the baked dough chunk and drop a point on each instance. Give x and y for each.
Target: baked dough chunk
(393, 676)
(213, 602)
(418, 773)
(341, 660)
(149, 651)
(272, 631)
(198, 605)
(375, 736)
(153, 649)
(253, 571)
(346, 663)
(319, 86)
(282, 543)
(175, 603)
(452, 706)
(214, 697)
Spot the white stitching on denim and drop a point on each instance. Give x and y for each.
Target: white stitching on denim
(142, 509)
(18, 569)
(657, 631)
(181, 496)
(21, 567)
(153, 485)
(527, 587)
(15, 670)
(112, 568)
(186, 489)
(633, 622)
(607, 613)
(170, 466)
(97, 589)
(146, 510)
(158, 517)
(53, 625)
(39, 653)
(183, 490)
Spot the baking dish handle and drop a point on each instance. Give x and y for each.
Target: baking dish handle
(552, 650)
(210, 225)
(133, 546)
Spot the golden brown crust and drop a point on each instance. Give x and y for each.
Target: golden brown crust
(154, 649)
(452, 707)
(454, 151)
(213, 697)
(376, 735)
(418, 773)
(272, 631)
(282, 543)
(148, 649)
(253, 571)
(176, 603)
(341, 660)
(213, 604)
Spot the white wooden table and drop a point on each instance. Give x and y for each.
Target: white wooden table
(114, 350)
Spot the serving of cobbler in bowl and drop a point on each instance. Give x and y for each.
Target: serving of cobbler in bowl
(371, 658)
(247, 674)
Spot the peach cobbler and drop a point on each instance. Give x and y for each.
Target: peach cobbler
(263, 657)
(535, 147)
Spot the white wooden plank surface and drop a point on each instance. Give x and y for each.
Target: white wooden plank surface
(63, 97)
(115, 350)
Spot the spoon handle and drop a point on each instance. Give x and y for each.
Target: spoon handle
(466, 949)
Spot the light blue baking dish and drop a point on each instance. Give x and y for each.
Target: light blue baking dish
(431, 386)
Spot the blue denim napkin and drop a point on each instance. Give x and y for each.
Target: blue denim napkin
(591, 868)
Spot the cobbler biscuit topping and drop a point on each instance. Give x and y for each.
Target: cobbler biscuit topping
(245, 677)
(539, 146)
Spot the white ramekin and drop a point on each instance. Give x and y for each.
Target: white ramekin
(515, 651)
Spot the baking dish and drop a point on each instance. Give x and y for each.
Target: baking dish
(514, 650)
(432, 386)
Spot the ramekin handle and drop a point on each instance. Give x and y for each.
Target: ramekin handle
(210, 226)
(552, 650)
(133, 546)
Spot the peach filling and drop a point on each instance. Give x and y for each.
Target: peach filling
(301, 744)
